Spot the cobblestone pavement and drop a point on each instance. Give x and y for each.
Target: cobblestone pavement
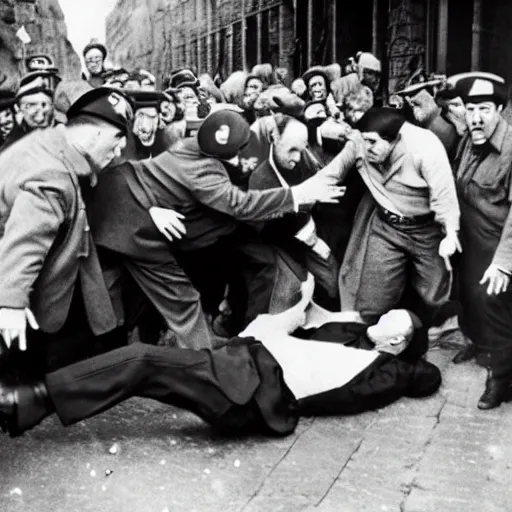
(433, 455)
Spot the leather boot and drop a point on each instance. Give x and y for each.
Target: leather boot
(496, 392)
(23, 406)
(465, 354)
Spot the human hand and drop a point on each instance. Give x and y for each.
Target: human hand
(319, 189)
(448, 246)
(13, 325)
(168, 222)
(497, 279)
(332, 129)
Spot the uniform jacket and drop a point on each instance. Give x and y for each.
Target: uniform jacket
(45, 244)
(200, 188)
(487, 191)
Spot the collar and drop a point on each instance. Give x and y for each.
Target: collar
(275, 169)
(73, 158)
(498, 135)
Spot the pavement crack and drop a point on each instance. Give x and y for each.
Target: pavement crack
(335, 479)
(274, 467)
(407, 488)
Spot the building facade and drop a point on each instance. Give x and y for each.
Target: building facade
(220, 36)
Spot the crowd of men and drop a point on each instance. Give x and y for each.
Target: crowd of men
(281, 247)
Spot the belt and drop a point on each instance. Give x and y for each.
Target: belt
(395, 219)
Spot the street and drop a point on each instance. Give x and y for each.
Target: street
(439, 454)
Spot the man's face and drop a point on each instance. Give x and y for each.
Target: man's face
(422, 105)
(482, 119)
(392, 332)
(318, 88)
(377, 148)
(94, 61)
(288, 148)
(168, 109)
(37, 110)
(6, 122)
(110, 143)
(145, 125)
(371, 79)
(457, 108)
(253, 89)
(188, 97)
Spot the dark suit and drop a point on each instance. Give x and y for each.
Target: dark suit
(236, 387)
(281, 231)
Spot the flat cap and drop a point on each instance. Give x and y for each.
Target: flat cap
(367, 60)
(44, 81)
(477, 86)
(183, 78)
(107, 104)
(146, 99)
(223, 134)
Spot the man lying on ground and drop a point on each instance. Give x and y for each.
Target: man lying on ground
(261, 381)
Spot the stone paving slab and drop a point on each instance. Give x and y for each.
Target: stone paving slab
(438, 454)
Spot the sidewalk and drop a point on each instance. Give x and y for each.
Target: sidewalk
(439, 454)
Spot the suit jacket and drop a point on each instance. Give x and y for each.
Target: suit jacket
(200, 188)
(45, 243)
(265, 178)
(485, 194)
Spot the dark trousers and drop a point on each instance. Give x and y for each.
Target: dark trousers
(167, 287)
(236, 387)
(241, 259)
(397, 256)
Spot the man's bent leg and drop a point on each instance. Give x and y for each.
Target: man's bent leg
(170, 290)
(383, 274)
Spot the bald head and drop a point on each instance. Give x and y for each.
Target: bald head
(289, 144)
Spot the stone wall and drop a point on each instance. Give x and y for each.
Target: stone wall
(163, 34)
(44, 22)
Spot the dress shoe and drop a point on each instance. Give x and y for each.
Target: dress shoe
(465, 354)
(496, 392)
(23, 406)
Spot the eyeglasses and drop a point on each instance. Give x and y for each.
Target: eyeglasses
(93, 60)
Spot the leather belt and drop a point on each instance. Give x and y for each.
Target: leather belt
(402, 220)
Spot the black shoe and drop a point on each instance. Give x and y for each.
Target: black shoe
(465, 354)
(496, 392)
(23, 406)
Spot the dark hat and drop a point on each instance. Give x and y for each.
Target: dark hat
(183, 78)
(449, 92)
(146, 99)
(110, 105)
(315, 71)
(223, 134)
(413, 89)
(255, 77)
(38, 81)
(385, 121)
(95, 44)
(476, 87)
(7, 99)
